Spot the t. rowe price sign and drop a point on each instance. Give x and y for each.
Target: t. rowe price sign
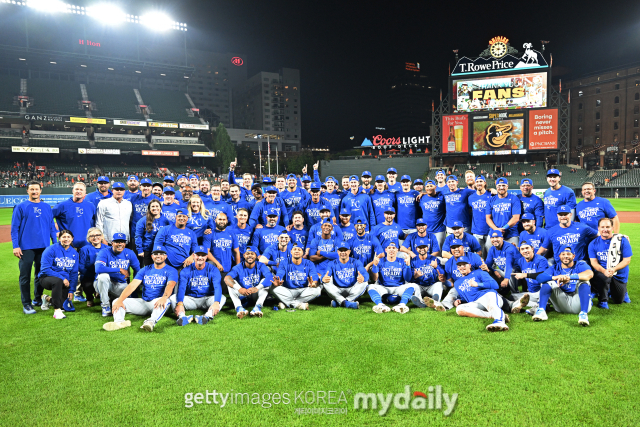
(378, 140)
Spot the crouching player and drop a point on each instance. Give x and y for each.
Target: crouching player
(249, 281)
(567, 285)
(478, 296)
(426, 274)
(394, 278)
(199, 288)
(346, 280)
(158, 281)
(531, 265)
(296, 282)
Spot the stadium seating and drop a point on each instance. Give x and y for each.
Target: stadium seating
(183, 148)
(70, 167)
(9, 87)
(60, 143)
(117, 102)
(187, 170)
(54, 97)
(128, 169)
(8, 142)
(123, 146)
(167, 105)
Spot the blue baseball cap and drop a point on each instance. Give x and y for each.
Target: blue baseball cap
(502, 181)
(429, 181)
(463, 260)
(324, 208)
(380, 178)
(146, 181)
(119, 236)
(418, 181)
(389, 209)
(553, 172)
(266, 180)
(181, 211)
(452, 177)
(564, 209)
(526, 181)
(343, 245)
(345, 211)
(201, 250)
(327, 221)
(525, 242)
(527, 216)
(315, 186)
(481, 178)
(256, 185)
(420, 221)
(392, 170)
(103, 179)
(495, 233)
(440, 172)
(169, 178)
(160, 248)
(251, 249)
(291, 176)
(457, 224)
(354, 178)
(272, 212)
(391, 243)
(271, 189)
(567, 248)
(330, 178)
(456, 242)
(67, 305)
(133, 177)
(306, 178)
(405, 178)
(182, 176)
(420, 241)
(117, 185)
(169, 190)
(194, 176)
(360, 221)
(366, 173)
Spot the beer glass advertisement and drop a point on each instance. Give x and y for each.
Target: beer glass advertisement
(510, 92)
(455, 134)
(498, 133)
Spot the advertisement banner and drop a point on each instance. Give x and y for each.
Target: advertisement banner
(498, 133)
(48, 150)
(87, 120)
(44, 118)
(9, 201)
(160, 153)
(113, 151)
(455, 134)
(543, 129)
(194, 126)
(129, 123)
(510, 92)
(163, 125)
(202, 154)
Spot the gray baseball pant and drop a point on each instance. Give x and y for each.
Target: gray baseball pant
(297, 296)
(197, 303)
(106, 287)
(565, 303)
(433, 290)
(141, 307)
(487, 306)
(350, 293)
(258, 297)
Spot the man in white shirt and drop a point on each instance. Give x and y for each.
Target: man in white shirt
(114, 214)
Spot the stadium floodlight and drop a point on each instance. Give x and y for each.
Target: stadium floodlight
(48, 5)
(157, 21)
(107, 13)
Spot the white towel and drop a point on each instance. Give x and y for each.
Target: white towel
(615, 251)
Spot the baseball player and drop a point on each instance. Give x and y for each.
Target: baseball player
(278, 252)
(270, 203)
(389, 231)
(266, 236)
(530, 266)
(296, 282)
(358, 203)
(503, 212)
(433, 211)
(576, 234)
(531, 204)
(536, 236)
(179, 241)
(394, 186)
(381, 198)
(222, 245)
(501, 259)
(457, 204)
(345, 280)
(408, 206)
(590, 210)
(158, 281)
(557, 196)
(470, 243)
(409, 245)
(479, 202)
(241, 229)
(249, 282)
(426, 274)
(198, 289)
(441, 180)
(365, 247)
(322, 250)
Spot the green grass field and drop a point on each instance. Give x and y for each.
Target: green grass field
(555, 373)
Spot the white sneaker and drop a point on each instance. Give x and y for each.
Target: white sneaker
(303, 306)
(58, 314)
(114, 326)
(281, 306)
(46, 303)
(540, 315)
(242, 313)
(148, 325)
(381, 308)
(520, 304)
(497, 326)
(401, 308)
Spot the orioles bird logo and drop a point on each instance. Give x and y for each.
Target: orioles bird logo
(497, 135)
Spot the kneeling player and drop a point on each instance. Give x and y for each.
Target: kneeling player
(296, 282)
(199, 288)
(426, 275)
(567, 285)
(249, 281)
(158, 281)
(393, 278)
(531, 265)
(346, 280)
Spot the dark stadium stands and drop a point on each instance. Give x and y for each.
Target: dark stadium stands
(183, 148)
(9, 87)
(54, 97)
(117, 102)
(8, 142)
(167, 105)
(60, 143)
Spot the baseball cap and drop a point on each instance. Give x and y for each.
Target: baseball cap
(495, 233)
(169, 190)
(366, 173)
(117, 185)
(256, 184)
(323, 185)
(162, 249)
(306, 178)
(330, 178)
(360, 221)
(420, 221)
(405, 178)
(418, 181)
(456, 242)
(201, 250)
(291, 176)
(169, 178)
(324, 208)
(119, 236)
(193, 175)
(103, 179)
(157, 184)
(181, 176)
(133, 177)
(429, 181)
(526, 216)
(457, 224)
(67, 305)
(567, 248)
(343, 245)
(389, 209)
(481, 178)
(271, 189)
(453, 177)
(327, 221)
(380, 178)
(266, 180)
(564, 209)
(392, 243)
(525, 242)
(272, 212)
(392, 170)
(553, 172)
(526, 181)
(251, 249)
(315, 186)
(181, 211)
(502, 181)
(463, 260)
(440, 172)
(354, 178)
(145, 181)
(345, 211)
(421, 242)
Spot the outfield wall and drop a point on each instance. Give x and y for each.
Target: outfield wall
(415, 167)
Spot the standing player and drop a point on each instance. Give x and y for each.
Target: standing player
(442, 187)
(293, 196)
(32, 231)
(102, 192)
(312, 207)
(536, 236)
(394, 186)
(332, 195)
(222, 246)
(235, 201)
(169, 205)
(503, 212)
(457, 201)
(241, 230)
(381, 199)
(133, 187)
(158, 281)
(296, 282)
(322, 250)
(479, 202)
(345, 280)
(270, 203)
(297, 232)
(388, 231)
(557, 196)
(76, 215)
(568, 233)
(267, 235)
(249, 282)
(470, 179)
(217, 205)
(358, 203)
(433, 211)
(346, 227)
(469, 242)
(408, 206)
(366, 182)
(179, 241)
(531, 203)
(590, 210)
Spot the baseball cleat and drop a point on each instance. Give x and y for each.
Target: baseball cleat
(46, 303)
(106, 311)
(241, 312)
(583, 319)
(381, 308)
(303, 306)
(59, 314)
(439, 307)
(352, 304)
(418, 302)
(36, 302)
(401, 308)
(604, 305)
(334, 304)
(27, 309)
(520, 304)
(256, 312)
(281, 306)
(148, 325)
(79, 298)
(203, 320)
(429, 302)
(506, 318)
(184, 320)
(114, 326)
(497, 326)
(626, 298)
(540, 315)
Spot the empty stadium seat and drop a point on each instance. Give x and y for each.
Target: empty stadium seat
(117, 102)
(54, 97)
(9, 88)
(167, 105)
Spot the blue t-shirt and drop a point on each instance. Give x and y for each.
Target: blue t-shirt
(260, 210)
(577, 235)
(316, 231)
(243, 235)
(469, 242)
(311, 211)
(380, 201)
(395, 188)
(96, 197)
(502, 210)
(479, 204)
(154, 280)
(410, 243)
(335, 199)
(504, 259)
(591, 212)
(429, 273)
(535, 206)
(365, 248)
(294, 200)
(553, 199)
(199, 283)
(76, 217)
(394, 273)
(433, 212)
(559, 270)
(296, 276)
(144, 239)
(599, 249)
(222, 245)
(169, 211)
(451, 266)
(346, 275)
(299, 236)
(180, 243)
(458, 207)
(537, 265)
(348, 231)
(408, 209)
(234, 208)
(220, 206)
(442, 190)
(329, 248)
(538, 238)
(140, 205)
(110, 263)
(468, 293)
(387, 234)
(251, 277)
(265, 237)
(276, 256)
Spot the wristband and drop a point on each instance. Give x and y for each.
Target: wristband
(574, 277)
(180, 303)
(236, 286)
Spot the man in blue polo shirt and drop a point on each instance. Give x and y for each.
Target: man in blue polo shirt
(503, 212)
(590, 210)
(555, 196)
(457, 200)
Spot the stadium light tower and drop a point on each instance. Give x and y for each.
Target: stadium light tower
(51, 6)
(157, 21)
(107, 13)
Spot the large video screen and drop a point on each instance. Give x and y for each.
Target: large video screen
(514, 91)
(498, 134)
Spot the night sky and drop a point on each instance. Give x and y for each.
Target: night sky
(346, 51)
